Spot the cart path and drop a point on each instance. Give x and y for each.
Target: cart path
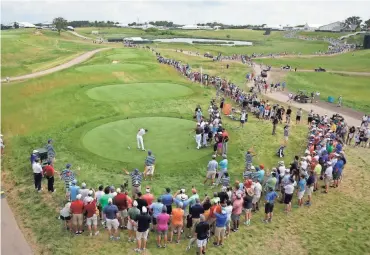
(12, 239)
(66, 65)
(81, 36)
(353, 118)
(190, 53)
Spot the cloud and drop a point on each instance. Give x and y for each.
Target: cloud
(187, 12)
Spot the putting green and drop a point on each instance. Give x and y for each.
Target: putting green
(138, 91)
(127, 67)
(168, 138)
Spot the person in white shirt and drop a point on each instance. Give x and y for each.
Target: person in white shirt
(243, 117)
(37, 174)
(288, 190)
(2, 146)
(257, 187)
(328, 176)
(228, 209)
(139, 138)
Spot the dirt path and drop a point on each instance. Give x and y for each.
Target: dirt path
(68, 64)
(12, 239)
(352, 117)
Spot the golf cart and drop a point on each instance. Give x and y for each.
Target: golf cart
(287, 67)
(264, 74)
(301, 97)
(268, 68)
(320, 69)
(208, 55)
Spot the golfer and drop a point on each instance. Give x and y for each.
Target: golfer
(139, 138)
(198, 135)
(149, 165)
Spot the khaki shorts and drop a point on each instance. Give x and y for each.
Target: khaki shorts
(327, 180)
(77, 219)
(194, 222)
(130, 226)
(176, 227)
(300, 194)
(112, 223)
(219, 232)
(202, 243)
(149, 170)
(211, 174)
(309, 191)
(123, 213)
(135, 190)
(92, 221)
(256, 199)
(142, 235)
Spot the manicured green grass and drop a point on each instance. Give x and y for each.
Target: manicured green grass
(170, 139)
(27, 50)
(57, 106)
(358, 61)
(354, 89)
(138, 91)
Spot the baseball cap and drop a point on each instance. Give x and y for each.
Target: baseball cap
(79, 196)
(90, 192)
(238, 195)
(118, 190)
(253, 168)
(193, 190)
(110, 200)
(83, 185)
(89, 199)
(262, 166)
(134, 203)
(74, 181)
(223, 212)
(144, 209)
(68, 165)
(50, 140)
(34, 151)
(182, 190)
(147, 189)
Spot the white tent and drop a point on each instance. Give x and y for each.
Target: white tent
(26, 25)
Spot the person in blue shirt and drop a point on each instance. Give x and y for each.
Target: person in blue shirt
(74, 190)
(301, 189)
(337, 171)
(338, 148)
(167, 200)
(156, 209)
(221, 219)
(223, 165)
(260, 175)
(269, 204)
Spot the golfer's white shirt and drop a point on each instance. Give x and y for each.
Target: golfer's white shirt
(36, 168)
(141, 132)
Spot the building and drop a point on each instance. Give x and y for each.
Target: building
(21, 25)
(337, 27)
(190, 27)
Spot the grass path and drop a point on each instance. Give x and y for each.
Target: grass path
(70, 63)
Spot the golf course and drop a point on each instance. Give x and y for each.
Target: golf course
(93, 110)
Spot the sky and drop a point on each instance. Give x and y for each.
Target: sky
(294, 12)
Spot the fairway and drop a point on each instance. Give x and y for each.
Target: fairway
(138, 91)
(170, 139)
(110, 67)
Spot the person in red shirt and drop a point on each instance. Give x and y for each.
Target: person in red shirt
(120, 200)
(77, 209)
(91, 216)
(148, 197)
(49, 174)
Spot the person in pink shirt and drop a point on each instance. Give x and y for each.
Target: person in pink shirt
(162, 227)
(237, 210)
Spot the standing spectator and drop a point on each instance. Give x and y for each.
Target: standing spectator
(211, 170)
(51, 151)
(84, 191)
(247, 205)
(237, 210)
(2, 146)
(133, 212)
(220, 226)
(162, 227)
(195, 211)
(37, 174)
(148, 197)
(111, 215)
(156, 209)
(67, 176)
(49, 175)
(223, 168)
(301, 189)
(177, 221)
(350, 135)
(98, 195)
(275, 121)
(286, 133)
(288, 195)
(120, 200)
(140, 201)
(34, 156)
(91, 217)
(167, 200)
(340, 101)
(309, 187)
(74, 190)
(257, 188)
(202, 233)
(65, 215)
(269, 204)
(328, 176)
(149, 165)
(298, 116)
(77, 209)
(136, 179)
(143, 224)
(287, 116)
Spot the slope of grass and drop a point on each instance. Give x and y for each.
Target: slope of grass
(355, 90)
(27, 50)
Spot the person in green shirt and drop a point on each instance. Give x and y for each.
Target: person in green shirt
(103, 201)
(329, 147)
(271, 182)
(133, 212)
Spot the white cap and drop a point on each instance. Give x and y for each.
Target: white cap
(118, 190)
(110, 200)
(90, 192)
(144, 209)
(182, 190)
(253, 168)
(79, 196)
(83, 185)
(134, 203)
(34, 151)
(287, 170)
(147, 190)
(89, 199)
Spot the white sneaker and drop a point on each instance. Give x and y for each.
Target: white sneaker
(55, 190)
(97, 233)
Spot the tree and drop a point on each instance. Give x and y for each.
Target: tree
(16, 25)
(59, 23)
(367, 24)
(354, 20)
(227, 36)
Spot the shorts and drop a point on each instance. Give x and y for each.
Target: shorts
(130, 226)
(286, 138)
(135, 190)
(247, 210)
(176, 226)
(235, 217)
(142, 235)
(300, 194)
(77, 219)
(112, 223)
(309, 190)
(211, 174)
(169, 209)
(327, 180)
(336, 176)
(228, 223)
(256, 199)
(288, 198)
(202, 243)
(309, 119)
(242, 121)
(298, 118)
(150, 170)
(219, 232)
(269, 208)
(65, 218)
(92, 220)
(154, 221)
(123, 213)
(162, 232)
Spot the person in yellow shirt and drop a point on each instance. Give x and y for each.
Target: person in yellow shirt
(333, 127)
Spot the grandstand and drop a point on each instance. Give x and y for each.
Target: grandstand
(337, 27)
